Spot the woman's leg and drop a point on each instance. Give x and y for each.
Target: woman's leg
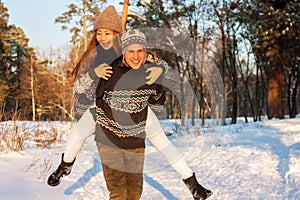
(83, 129)
(158, 138)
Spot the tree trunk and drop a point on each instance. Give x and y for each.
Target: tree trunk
(84, 25)
(171, 111)
(32, 90)
(275, 94)
(257, 96)
(293, 93)
(182, 102)
(234, 99)
(125, 14)
(193, 110)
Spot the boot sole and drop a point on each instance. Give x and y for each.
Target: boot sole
(55, 184)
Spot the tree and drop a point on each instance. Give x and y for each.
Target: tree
(78, 18)
(125, 14)
(16, 57)
(4, 87)
(178, 16)
(274, 29)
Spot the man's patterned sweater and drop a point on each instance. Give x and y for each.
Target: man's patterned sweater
(85, 84)
(122, 105)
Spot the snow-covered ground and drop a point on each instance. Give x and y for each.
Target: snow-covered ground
(257, 160)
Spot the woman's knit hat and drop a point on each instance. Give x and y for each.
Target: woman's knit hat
(133, 36)
(109, 19)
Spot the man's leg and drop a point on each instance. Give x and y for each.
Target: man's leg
(112, 160)
(134, 165)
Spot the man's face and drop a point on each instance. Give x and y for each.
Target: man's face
(135, 55)
(105, 37)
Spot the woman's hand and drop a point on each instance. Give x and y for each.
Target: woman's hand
(103, 71)
(155, 73)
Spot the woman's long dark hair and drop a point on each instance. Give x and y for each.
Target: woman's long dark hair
(88, 58)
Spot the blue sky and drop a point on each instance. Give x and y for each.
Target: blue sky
(36, 18)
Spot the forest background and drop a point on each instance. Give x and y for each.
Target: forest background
(255, 46)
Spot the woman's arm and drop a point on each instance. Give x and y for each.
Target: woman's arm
(103, 71)
(155, 71)
(84, 83)
(156, 102)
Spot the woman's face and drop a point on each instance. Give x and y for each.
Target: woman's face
(105, 37)
(135, 55)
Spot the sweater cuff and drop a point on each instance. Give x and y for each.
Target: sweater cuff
(92, 74)
(159, 111)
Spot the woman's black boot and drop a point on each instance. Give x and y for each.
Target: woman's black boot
(63, 169)
(197, 190)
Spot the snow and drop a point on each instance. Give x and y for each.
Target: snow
(255, 160)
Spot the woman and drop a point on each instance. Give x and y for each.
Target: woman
(105, 47)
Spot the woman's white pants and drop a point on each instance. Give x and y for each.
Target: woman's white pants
(85, 127)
